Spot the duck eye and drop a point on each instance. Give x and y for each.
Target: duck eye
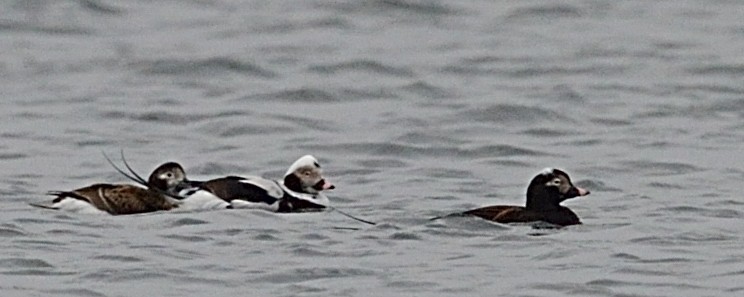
(554, 182)
(306, 173)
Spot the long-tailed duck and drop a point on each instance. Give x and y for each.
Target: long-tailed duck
(544, 195)
(300, 190)
(121, 199)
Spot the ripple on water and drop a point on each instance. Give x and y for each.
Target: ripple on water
(554, 254)
(205, 67)
(706, 212)
(611, 122)
(299, 121)
(97, 6)
(446, 173)
(76, 292)
(265, 237)
(654, 168)
(119, 258)
(37, 272)
(423, 8)
(314, 236)
(304, 95)
(371, 66)
(188, 222)
(512, 114)
(509, 163)
(307, 250)
(24, 263)
(574, 289)
(187, 238)
(168, 116)
(299, 275)
(545, 11)
(426, 90)
(285, 26)
(404, 236)
(406, 151)
(11, 232)
(228, 130)
(13, 156)
(124, 275)
(552, 70)
(547, 132)
(368, 93)
(29, 266)
(411, 285)
(457, 226)
(683, 239)
(39, 244)
(618, 283)
(646, 272)
(382, 163)
(718, 69)
(596, 185)
(74, 232)
(45, 29)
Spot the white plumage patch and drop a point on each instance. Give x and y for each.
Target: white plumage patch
(306, 160)
(319, 198)
(77, 206)
(547, 171)
(200, 200)
(237, 203)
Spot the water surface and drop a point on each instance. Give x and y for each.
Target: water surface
(414, 108)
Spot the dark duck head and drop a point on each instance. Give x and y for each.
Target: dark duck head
(169, 178)
(549, 188)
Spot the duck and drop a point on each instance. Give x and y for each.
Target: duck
(300, 190)
(123, 199)
(545, 193)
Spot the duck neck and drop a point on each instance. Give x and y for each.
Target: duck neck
(541, 200)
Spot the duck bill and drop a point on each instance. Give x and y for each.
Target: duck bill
(576, 192)
(323, 185)
(188, 184)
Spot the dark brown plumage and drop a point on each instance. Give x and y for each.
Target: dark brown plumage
(122, 199)
(544, 195)
(117, 199)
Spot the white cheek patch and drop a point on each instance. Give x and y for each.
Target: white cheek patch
(168, 176)
(554, 182)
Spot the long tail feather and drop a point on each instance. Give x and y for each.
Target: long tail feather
(130, 168)
(39, 205)
(137, 178)
(134, 179)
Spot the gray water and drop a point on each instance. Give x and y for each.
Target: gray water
(414, 108)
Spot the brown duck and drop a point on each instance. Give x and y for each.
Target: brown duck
(121, 199)
(544, 195)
